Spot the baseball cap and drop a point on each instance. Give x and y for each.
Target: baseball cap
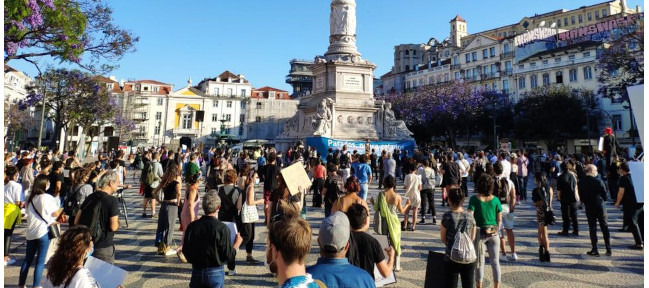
(334, 233)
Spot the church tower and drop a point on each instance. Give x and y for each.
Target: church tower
(458, 30)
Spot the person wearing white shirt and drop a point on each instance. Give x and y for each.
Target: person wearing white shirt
(75, 243)
(13, 203)
(505, 191)
(507, 166)
(464, 172)
(42, 212)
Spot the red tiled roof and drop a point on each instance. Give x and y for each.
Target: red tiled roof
(280, 94)
(106, 80)
(458, 18)
(268, 88)
(386, 74)
(150, 82)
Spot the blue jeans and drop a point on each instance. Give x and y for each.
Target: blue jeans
(207, 278)
(39, 246)
(363, 192)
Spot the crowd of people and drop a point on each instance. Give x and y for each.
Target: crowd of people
(52, 189)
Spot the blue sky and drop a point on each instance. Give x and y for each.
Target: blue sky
(257, 38)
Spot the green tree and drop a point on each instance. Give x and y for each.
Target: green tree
(621, 63)
(551, 113)
(71, 31)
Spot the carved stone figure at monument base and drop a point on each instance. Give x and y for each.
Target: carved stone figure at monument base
(394, 129)
(290, 126)
(323, 118)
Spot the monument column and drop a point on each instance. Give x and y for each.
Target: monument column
(342, 28)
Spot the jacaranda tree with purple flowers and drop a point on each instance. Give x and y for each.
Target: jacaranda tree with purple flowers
(71, 31)
(438, 110)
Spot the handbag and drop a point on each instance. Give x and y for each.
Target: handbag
(249, 213)
(54, 230)
(380, 223)
(550, 219)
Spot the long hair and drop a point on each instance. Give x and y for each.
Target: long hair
(73, 245)
(249, 177)
(169, 175)
(40, 183)
(79, 175)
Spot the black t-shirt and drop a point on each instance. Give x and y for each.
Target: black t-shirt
(55, 177)
(331, 184)
(170, 192)
(365, 252)
(270, 182)
(629, 201)
(451, 173)
(109, 208)
(567, 184)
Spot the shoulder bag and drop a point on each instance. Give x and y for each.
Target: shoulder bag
(249, 213)
(54, 230)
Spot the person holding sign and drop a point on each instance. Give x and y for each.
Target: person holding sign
(372, 254)
(631, 208)
(452, 221)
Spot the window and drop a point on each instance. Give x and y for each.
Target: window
(506, 85)
(589, 16)
(468, 57)
(214, 131)
(240, 130)
(228, 117)
(468, 73)
(506, 48)
(187, 121)
(414, 52)
(586, 54)
(533, 83)
(494, 86)
(457, 75)
(508, 67)
(243, 104)
(258, 119)
(155, 88)
(485, 70)
(572, 20)
(242, 118)
(160, 101)
(157, 130)
(505, 34)
(215, 103)
(581, 18)
(484, 53)
(407, 52)
(565, 21)
(557, 60)
(559, 77)
(546, 79)
(603, 12)
(215, 117)
(259, 105)
(544, 62)
(571, 57)
(492, 51)
(617, 122)
(455, 60)
(559, 23)
(533, 64)
(596, 15)
(230, 92)
(493, 70)
(243, 92)
(572, 74)
(521, 66)
(158, 115)
(588, 73)
(216, 91)
(521, 83)
(474, 55)
(229, 104)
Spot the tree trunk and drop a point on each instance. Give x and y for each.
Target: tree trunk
(451, 137)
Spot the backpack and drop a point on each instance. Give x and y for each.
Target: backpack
(138, 161)
(91, 215)
(478, 170)
(501, 189)
(344, 161)
(228, 209)
(71, 202)
(463, 251)
(148, 177)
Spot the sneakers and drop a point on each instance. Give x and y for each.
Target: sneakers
(434, 221)
(143, 215)
(251, 260)
(593, 253)
(637, 247)
(232, 272)
(512, 257)
(608, 252)
(423, 221)
(10, 261)
(170, 252)
(163, 249)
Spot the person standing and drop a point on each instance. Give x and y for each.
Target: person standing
(230, 196)
(506, 193)
(364, 250)
(464, 172)
(374, 164)
(363, 173)
(351, 196)
(13, 201)
(42, 211)
(381, 169)
(542, 198)
(631, 209)
(66, 268)
(427, 175)
(345, 163)
(333, 186)
(487, 211)
(332, 268)
(451, 178)
(108, 216)
(387, 204)
(270, 183)
(248, 229)
(567, 196)
(156, 169)
(610, 145)
(171, 188)
(319, 176)
(412, 185)
(56, 181)
(452, 223)
(593, 194)
(389, 166)
(522, 162)
(261, 166)
(207, 245)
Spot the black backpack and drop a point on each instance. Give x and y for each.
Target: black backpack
(500, 188)
(91, 215)
(71, 201)
(344, 161)
(228, 209)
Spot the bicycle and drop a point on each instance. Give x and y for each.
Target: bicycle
(122, 205)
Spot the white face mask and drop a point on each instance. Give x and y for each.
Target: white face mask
(257, 181)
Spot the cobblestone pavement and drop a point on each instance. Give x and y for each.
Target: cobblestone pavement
(570, 266)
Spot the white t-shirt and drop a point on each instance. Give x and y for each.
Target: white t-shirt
(82, 279)
(13, 192)
(507, 168)
(509, 189)
(464, 167)
(46, 205)
(412, 182)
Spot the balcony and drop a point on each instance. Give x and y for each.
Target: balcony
(140, 133)
(141, 101)
(184, 132)
(507, 55)
(456, 66)
(507, 72)
(291, 79)
(140, 116)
